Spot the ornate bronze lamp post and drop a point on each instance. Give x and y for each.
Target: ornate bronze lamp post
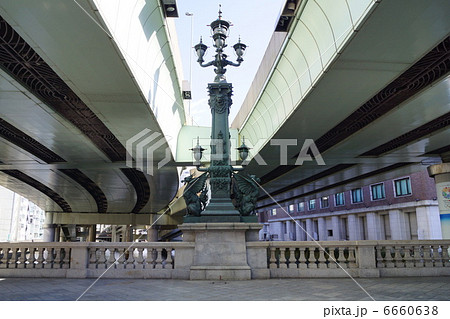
(225, 183)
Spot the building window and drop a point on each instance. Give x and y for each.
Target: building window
(339, 199)
(274, 212)
(357, 195)
(291, 208)
(324, 201)
(377, 191)
(312, 204)
(301, 207)
(402, 187)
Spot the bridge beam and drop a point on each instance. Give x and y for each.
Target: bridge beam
(114, 219)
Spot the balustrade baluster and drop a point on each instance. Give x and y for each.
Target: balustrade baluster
(2, 258)
(273, 258)
(302, 260)
(390, 257)
(152, 257)
(147, 256)
(26, 258)
(340, 258)
(428, 252)
(112, 258)
(314, 255)
(283, 261)
(40, 259)
(101, 258)
(409, 259)
(57, 262)
(65, 258)
(93, 258)
(399, 257)
(48, 256)
(122, 257)
(438, 254)
(169, 260)
(129, 259)
(418, 257)
(159, 260)
(9, 257)
(293, 263)
(34, 257)
(332, 258)
(445, 256)
(322, 260)
(380, 252)
(139, 259)
(351, 259)
(18, 258)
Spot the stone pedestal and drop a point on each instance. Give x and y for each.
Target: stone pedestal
(220, 249)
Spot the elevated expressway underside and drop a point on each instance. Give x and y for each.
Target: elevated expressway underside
(77, 80)
(367, 81)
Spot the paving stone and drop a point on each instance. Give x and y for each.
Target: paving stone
(423, 288)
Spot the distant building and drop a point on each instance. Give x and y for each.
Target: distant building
(404, 208)
(20, 219)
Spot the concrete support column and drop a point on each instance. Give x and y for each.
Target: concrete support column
(289, 233)
(441, 174)
(374, 227)
(304, 235)
(152, 234)
(58, 233)
(123, 233)
(92, 233)
(399, 225)
(322, 228)
(353, 227)
(299, 233)
(276, 228)
(335, 227)
(309, 229)
(49, 228)
(114, 234)
(129, 229)
(428, 222)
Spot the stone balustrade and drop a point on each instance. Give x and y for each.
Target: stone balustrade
(366, 258)
(34, 256)
(413, 258)
(175, 260)
(87, 260)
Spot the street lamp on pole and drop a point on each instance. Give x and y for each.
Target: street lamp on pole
(220, 30)
(223, 179)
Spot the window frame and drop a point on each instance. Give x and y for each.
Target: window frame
(343, 199)
(362, 195)
(298, 207)
(321, 202)
(371, 191)
(409, 186)
(309, 204)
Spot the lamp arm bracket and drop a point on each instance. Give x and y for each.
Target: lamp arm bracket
(233, 64)
(206, 64)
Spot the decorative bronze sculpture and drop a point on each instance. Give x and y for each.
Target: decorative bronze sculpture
(245, 191)
(195, 194)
